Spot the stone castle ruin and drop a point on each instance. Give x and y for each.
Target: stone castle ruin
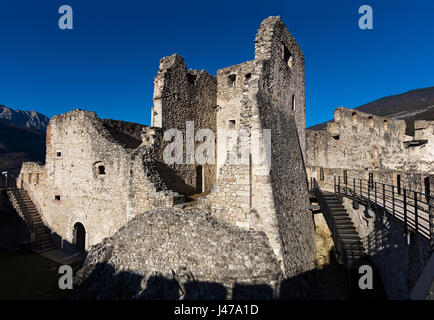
(107, 187)
(100, 173)
(371, 147)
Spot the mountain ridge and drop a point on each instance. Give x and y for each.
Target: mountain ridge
(22, 138)
(27, 119)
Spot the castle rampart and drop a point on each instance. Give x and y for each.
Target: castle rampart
(357, 140)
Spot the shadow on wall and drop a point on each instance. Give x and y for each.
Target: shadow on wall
(399, 256)
(104, 283)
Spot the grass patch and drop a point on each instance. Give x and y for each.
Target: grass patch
(29, 276)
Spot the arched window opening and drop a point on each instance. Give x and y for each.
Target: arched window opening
(79, 237)
(355, 119)
(371, 122)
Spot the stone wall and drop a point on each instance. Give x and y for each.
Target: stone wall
(273, 201)
(385, 239)
(283, 77)
(93, 176)
(181, 96)
(356, 140)
(232, 89)
(174, 254)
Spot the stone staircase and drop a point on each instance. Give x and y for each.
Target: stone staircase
(25, 207)
(346, 231)
(353, 251)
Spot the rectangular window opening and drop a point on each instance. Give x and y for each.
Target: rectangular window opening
(231, 123)
(232, 80)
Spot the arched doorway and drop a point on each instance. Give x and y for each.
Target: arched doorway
(79, 240)
(199, 179)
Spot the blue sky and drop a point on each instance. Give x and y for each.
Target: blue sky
(108, 61)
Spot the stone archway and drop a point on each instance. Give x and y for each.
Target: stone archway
(79, 237)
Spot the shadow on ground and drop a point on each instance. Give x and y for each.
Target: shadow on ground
(104, 283)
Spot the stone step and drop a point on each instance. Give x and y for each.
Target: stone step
(346, 229)
(47, 248)
(341, 219)
(45, 242)
(348, 236)
(339, 212)
(336, 206)
(347, 232)
(353, 244)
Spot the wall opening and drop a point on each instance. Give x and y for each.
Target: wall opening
(345, 177)
(355, 119)
(293, 102)
(199, 179)
(101, 170)
(427, 186)
(232, 123)
(287, 56)
(79, 237)
(232, 79)
(371, 122)
(398, 183)
(59, 154)
(191, 78)
(57, 197)
(321, 174)
(248, 76)
(386, 126)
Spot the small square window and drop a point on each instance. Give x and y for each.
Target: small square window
(231, 124)
(57, 197)
(101, 170)
(59, 154)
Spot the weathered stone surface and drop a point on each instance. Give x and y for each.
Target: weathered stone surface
(171, 254)
(357, 140)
